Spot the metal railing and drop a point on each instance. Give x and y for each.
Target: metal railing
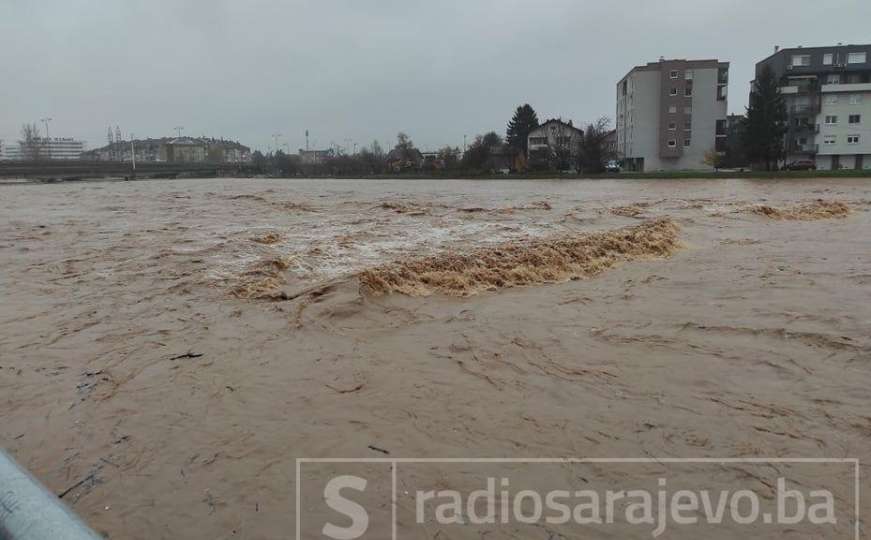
(28, 511)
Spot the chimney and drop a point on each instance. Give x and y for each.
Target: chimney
(776, 48)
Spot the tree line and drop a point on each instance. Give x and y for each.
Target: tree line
(487, 153)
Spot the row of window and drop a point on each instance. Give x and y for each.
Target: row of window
(855, 99)
(688, 74)
(688, 125)
(804, 60)
(672, 109)
(673, 143)
(688, 91)
(833, 139)
(848, 78)
(853, 119)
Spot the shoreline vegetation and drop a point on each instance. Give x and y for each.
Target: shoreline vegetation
(37, 173)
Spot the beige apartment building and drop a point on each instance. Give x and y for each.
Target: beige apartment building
(671, 114)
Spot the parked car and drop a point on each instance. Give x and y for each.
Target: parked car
(800, 165)
(612, 166)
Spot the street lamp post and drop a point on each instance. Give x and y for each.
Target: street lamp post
(45, 122)
(133, 154)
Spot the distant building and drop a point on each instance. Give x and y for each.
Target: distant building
(315, 157)
(828, 102)
(42, 148)
(173, 150)
(184, 150)
(671, 114)
(555, 139)
(399, 160)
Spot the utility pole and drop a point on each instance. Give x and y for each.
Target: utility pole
(133, 154)
(306, 140)
(45, 122)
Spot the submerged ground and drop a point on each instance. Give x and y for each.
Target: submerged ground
(169, 348)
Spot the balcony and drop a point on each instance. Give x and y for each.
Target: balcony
(805, 127)
(847, 87)
(808, 149)
(812, 108)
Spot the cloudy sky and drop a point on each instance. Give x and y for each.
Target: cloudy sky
(352, 71)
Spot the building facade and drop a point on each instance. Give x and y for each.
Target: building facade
(555, 137)
(42, 148)
(671, 114)
(827, 91)
(173, 150)
(315, 157)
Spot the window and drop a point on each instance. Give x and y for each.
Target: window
(672, 109)
(830, 139)
(827, 59)
(855, 99)
(831, 120)
(802, 141)
(852, 139)
(855, 118)
(538, 140)
(688, 75)
(687, 142)
(801, 60)
(673, 91)
(688, 91)
(722, 92)
(674, 74)
(672, 143)
(857, 58)
(672, 126)
(831, 100)
(834, 78)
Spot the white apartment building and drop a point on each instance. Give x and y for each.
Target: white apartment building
(828, 99)
(54, 148)
(672, 114)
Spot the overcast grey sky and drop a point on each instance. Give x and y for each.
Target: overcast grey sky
(363, 69)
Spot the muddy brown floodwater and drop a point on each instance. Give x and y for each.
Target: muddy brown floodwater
(168, 349)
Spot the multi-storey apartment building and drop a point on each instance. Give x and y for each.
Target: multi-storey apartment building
(828, 100)
(671, 114)
(42, 148)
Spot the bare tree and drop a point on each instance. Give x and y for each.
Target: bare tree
(31, 143)
(595, 152)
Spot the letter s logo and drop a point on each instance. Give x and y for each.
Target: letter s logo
(358, 515)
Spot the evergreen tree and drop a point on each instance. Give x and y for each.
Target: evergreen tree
(523, 122)
(766, 122)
